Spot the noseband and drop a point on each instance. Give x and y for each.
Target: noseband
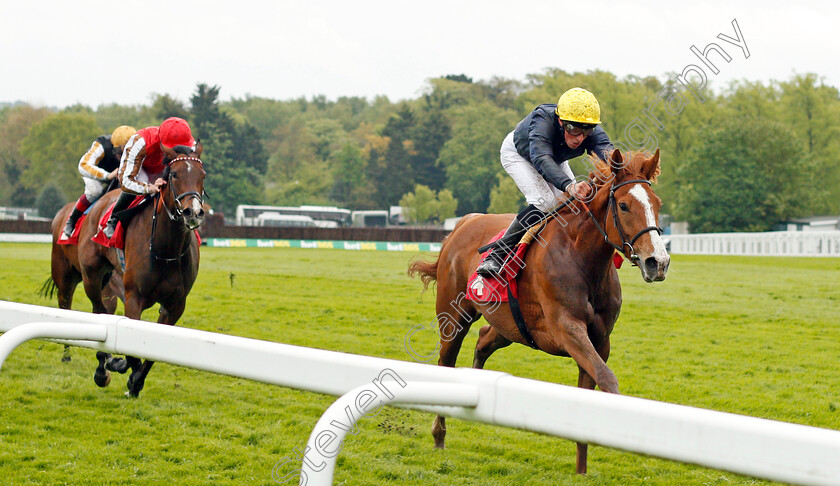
(612, 208)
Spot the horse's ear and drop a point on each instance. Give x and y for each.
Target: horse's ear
(651, 169)
(198, 148)
(616, 161)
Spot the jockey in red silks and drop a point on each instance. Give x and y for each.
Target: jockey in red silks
(98, 167)
(143, 162)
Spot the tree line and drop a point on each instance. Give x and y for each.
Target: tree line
(750, 155)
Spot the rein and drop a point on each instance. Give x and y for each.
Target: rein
(612, 209)
(176, 215)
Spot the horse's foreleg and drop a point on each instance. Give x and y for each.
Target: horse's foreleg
(168, 315)
(489, 340)
(138, 378)
(587, 382)
(576, 341)
(584, 381)
(111, 292)
(93, 289)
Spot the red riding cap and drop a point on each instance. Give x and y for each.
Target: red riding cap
(175, 131)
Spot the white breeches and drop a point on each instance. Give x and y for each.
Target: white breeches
(94, 188)
(537, 190)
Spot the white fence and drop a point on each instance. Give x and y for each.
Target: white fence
(747, 445)
(773, 243)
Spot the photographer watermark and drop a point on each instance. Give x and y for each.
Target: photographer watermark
(368, 403)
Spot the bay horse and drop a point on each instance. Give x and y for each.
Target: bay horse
(161, 257)
(569, 292)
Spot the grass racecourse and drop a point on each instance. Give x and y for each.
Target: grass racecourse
(756, 336)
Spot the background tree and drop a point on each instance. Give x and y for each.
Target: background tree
(506, 197)
(367, 154)
(14, 126)
(53, 147)
(50, 200)
(471, 156)
(395, 176)
(350, 188)
(447, 205)
(164, 106)
(420, 206)
(235, 160)
(424, 206)
(750, 182)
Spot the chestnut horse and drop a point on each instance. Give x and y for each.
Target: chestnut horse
(161, 258)
(569, 292)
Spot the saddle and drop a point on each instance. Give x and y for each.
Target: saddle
(123, 217)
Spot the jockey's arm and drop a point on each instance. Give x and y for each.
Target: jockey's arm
(540, 131)
(89, 163)
(132, 161)
(598, 143)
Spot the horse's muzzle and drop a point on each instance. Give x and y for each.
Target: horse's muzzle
(654, 269)
(193, 216)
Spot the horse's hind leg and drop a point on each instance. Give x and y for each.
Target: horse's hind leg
(489, 340)
(454, 323)
(66, 279)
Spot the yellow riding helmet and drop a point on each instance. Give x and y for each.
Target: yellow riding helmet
(121, 135)
(579, 105)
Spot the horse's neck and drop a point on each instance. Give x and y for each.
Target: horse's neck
(170, 237)
(587, 240)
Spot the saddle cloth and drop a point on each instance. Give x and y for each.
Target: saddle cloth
(495, 289)
(74, 238)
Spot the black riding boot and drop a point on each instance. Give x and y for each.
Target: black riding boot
(71, 222)
(524, 220)
(122, 203)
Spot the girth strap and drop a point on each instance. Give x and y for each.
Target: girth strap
(519, 319)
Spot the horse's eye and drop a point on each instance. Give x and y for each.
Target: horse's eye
(174, 175)
(623, 206)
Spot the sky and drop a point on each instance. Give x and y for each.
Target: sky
(59, 53)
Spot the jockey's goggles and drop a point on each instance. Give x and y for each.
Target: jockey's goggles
(575, 129)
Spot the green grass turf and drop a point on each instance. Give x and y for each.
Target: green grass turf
(757, 336)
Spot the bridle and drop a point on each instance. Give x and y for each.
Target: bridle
(612, 209)
(178, 213)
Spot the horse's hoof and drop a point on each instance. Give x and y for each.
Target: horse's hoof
(133, 388)
(101, 376)
(102, 379)
(65, 359)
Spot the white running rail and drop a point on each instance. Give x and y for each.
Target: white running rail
(772, 243)
(747, 445)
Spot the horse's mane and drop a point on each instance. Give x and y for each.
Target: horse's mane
(601, 173)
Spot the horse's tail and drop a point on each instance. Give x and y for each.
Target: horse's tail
(427, 271)
(49, 289)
